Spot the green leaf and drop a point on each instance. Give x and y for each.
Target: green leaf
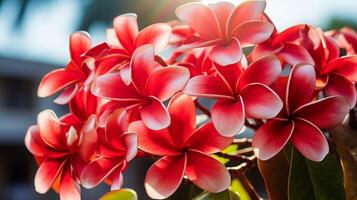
(231, 149)
(220, 159)
(225, 195)
(122, 194)
(315, 180)
(237, 187)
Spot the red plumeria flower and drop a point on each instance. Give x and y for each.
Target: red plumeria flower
(287, 45)
(198, 63)
(116, 147)
(125, 38)
(78, 74)
(151, 85)
(61, 150)
(185, 151)
(226, 28)
(346, 39)
(300, 121)
(240, 93)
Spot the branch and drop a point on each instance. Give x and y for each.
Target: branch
(202, 108)
(160, 61)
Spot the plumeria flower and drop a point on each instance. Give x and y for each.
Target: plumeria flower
(116, 147)
(240, 92)
(198, 63)
(79, 72)
(287, 45)
(184, 150)
(346, 39)
(125, 38)
(61, 151)
(151, 85)
(301, 120)
(226, 28)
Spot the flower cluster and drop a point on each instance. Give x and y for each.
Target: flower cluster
(294, 83)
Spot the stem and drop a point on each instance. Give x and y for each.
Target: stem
(252, 193)
(160, 61)
(202, 108)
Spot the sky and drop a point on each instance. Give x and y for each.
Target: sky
(44, 35)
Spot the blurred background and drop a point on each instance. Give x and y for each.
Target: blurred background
(34, 40)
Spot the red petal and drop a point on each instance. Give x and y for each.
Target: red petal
(266, 105)
(69, 188)
(67, 95)
(154, 142)
(50, 129)
(88, 138)
(163, 83)
(57, 80)
(309, 140)
(111, 86)
(183, 119)
(117, 123)
(142, 65)
(47, 174)
(324, 113)
(126, 29)
(271, 138)
(265, 70)
(117, 182)
(164, 176)
(157, 35)
(98, 170)
(155, 115)
(253, 32)
(228, 117)
(207, 86)
(301, 85)
(222, 10)
(130, 141)
(295, 54)
(34, 142)
(246, 11)
(206, 139)
(339, 85)
(227, 54)
(79, 43)
(346, 66)
(207, 172)
(200, 18)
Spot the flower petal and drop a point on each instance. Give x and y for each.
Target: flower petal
(266, 105)
(207, 172)
(163, 83)
(154, 142)
(200, 18)
(88, 138)
(222, 10)
(79, 43)
(50, 129)
(346, 66)
(271, 138)
(164, 176)
(253, 32)
(157, 35)
(207, 86)
(295, 54)
(47, 174)
(111, 86)
(130, 140)
(309, 140)
(183, 119)
(155, 115)
(265, 70)
(228, 117)
(57, 80)
(246, 11)
(142, 65)
(69, 188)
(67, 95)
(126, 29)
(34, 142)
(324, 113)
(98, 170)
(301, 85)
(227, 54)
(339, 85)
(206, 139)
